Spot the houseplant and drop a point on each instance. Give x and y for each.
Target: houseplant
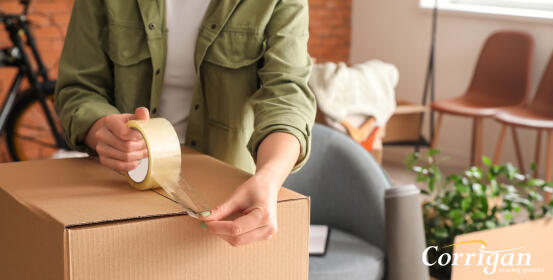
(477, 199)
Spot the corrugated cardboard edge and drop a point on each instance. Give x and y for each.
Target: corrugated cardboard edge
(24, 254)
(88, 261)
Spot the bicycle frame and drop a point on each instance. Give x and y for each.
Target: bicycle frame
(16, 56)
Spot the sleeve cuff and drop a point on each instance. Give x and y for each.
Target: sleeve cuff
(303, 136)
(81, 121)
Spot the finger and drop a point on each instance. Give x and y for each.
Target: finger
(253, 220)
(106, 150)
(118, 165)
(263, 233)
(118, 126)
(141, 113)
(229, 207)
(106, 136)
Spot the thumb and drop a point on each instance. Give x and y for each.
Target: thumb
(222, 211)
(141, 113)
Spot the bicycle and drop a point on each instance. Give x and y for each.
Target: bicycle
(28, 117)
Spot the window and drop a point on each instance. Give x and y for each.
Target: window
(521, 8)
(546, 5)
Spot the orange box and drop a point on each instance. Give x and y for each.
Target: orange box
(75, 219)
(522, 251)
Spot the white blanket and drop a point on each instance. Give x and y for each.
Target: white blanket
(362, 89)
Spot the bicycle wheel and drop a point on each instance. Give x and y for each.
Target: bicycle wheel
(28, 132)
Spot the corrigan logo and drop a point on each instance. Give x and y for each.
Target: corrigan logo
(506, 260)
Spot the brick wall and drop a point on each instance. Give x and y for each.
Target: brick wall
(330, 29)
(50, 18)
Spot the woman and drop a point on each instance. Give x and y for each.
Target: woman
(231, 75)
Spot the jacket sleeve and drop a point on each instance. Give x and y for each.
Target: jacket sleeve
(284, 102)
(84, 90)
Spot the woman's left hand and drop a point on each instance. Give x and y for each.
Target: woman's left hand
(256, 201)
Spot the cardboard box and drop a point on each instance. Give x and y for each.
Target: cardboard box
(529, 243)
(75, 219)
(404, 125)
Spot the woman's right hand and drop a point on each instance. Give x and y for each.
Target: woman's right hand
(118, 146)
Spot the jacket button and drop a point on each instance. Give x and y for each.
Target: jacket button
(196, 107)
(158, 71)
(213, 26)
(152, 26)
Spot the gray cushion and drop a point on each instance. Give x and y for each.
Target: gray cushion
(347, 257)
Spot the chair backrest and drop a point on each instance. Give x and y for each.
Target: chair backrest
(503, 71)
(346, 186)
(543, 100)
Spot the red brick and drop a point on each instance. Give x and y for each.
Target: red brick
(330, 30)
(47, 33)
(39, 20)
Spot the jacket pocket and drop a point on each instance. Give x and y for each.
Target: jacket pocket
(235, 50)
(126, 45)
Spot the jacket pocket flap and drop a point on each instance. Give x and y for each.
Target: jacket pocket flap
(236, 49)
(126, 45)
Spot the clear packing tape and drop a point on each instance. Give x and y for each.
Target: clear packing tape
(162, 167)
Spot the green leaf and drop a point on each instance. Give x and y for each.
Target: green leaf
(411, 160)
(425, 192)
(466, 203)
(533, 166)
(511, 171)
(453, 178)
(484, 204)
(432, 152)
(462, 188)
(535, 182)
(508, 216)
(487, 161)
(457, 216)
(478, 215)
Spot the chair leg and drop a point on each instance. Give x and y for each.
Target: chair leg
(476, 153)
(537, 154)
(521, 165)
(549, 159)
(436, 131)
(499, 145)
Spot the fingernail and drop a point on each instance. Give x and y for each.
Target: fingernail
(205, 214)
(203, 225)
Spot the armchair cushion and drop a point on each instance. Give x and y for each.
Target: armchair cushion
(347, 257)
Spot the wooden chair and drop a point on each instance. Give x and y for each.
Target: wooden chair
(501, 78)
(536, 115)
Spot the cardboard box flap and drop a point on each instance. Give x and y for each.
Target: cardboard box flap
(213, 181)
(82, 191)
(79, 191)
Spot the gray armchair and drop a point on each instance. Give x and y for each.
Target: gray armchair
(346, 187)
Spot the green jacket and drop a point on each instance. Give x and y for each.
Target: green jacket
(251, 62)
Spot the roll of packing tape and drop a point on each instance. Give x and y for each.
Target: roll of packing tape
(164, 154)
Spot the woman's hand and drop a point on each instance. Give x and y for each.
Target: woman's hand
(256, 199)
(118, 146)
